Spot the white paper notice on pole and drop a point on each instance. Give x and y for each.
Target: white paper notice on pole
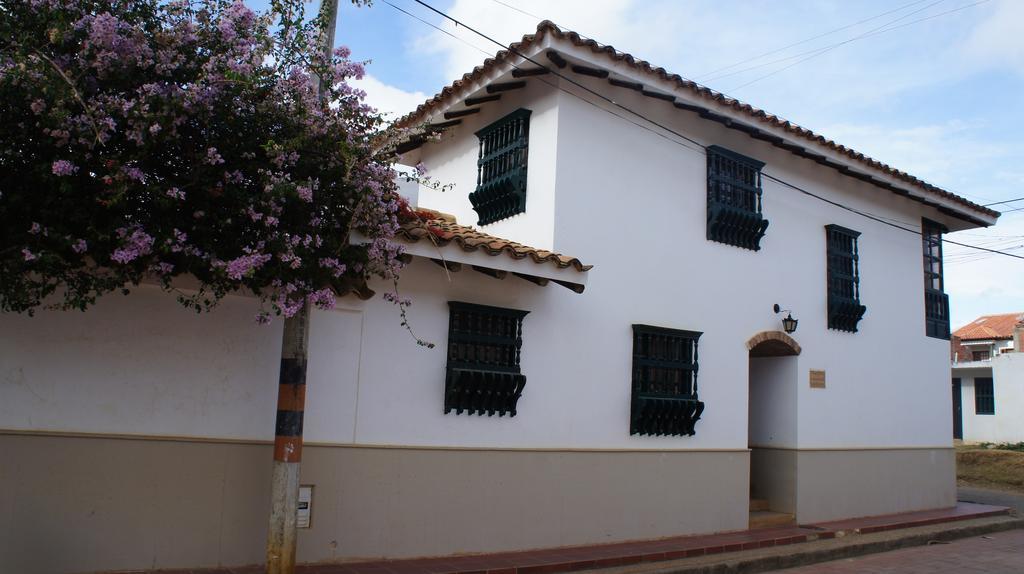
(305, 506)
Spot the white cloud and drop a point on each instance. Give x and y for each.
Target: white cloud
(951, 154)
(981, 283)
(393, 102)
(848, 94)
(696, 37)
(999, 39)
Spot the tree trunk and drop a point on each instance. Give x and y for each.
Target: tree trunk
(291, 399)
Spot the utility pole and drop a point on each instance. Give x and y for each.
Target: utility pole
(291, 397)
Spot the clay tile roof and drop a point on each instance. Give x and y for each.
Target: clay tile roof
(451, 94)
(990, 327)
(444, 231)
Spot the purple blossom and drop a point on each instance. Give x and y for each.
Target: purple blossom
(134, 173)
(134, 245)
(37, 106)
(333, 265)
(175, 193)
(64, 167)
(163, 268)
(323, 298)
(28, 255)
(253, 214)
(213, 157)
(79, 246)
(246, 264)
(305, 193)
(35, 229)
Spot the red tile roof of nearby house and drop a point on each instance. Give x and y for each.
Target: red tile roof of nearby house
(454, 93)
(443, 230)
(990, 327)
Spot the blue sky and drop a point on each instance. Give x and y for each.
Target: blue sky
(939, 95)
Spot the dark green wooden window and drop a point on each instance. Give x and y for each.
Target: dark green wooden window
(984, 397)
(501, 168)
(483, 374)
(844, 308)
(664, 398)
(734, 199)
(936, 302)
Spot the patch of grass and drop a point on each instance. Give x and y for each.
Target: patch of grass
(1015, 446)
(991, 467)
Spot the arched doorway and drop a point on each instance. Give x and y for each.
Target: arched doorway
(772, 427)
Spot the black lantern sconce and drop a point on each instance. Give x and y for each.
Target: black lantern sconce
(788, 322)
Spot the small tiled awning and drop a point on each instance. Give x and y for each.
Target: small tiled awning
(432, 235)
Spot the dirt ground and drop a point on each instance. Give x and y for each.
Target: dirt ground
(990, 468)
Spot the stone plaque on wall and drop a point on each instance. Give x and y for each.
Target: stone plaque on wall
(817, 379)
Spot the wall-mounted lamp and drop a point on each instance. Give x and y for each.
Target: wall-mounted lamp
(788, 322)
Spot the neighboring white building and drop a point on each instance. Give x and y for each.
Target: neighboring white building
(660, 390)
(988, 379)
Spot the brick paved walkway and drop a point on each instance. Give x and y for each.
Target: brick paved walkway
(567, 559)
(998, 553)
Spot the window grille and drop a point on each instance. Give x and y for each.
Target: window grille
(844, 308)
(501, 168)
(664, 397)
(984, 396)
(483, 374)
(936, 302)
(734, 199)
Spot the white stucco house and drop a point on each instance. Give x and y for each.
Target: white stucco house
(988, 379)
(600, 284)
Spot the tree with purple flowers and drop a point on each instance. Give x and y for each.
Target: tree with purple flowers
(144, 140)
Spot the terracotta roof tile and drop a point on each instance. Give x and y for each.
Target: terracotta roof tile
(443, 230)
(448, 95)
(990, 327)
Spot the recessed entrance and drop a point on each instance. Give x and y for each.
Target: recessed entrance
(771, 430)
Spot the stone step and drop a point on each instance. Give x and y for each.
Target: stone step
(766, 518)
(758, 504)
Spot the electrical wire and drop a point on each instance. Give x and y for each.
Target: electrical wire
(1002, 202)
(564, 77)
(821, 50)
(815, 51)
(865, 214)
(870, 33)
(794, 44)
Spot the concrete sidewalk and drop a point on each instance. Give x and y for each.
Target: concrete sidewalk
(997, 553)
(756, 550)
(993, 497)
(819, 556)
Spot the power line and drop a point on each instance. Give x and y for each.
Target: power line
(562, 76)
(794, 44)
(815, 51)
(872, 32)
(821, 50)
(1002, 202)
(517, 9)
(641, 116)
(879, 219)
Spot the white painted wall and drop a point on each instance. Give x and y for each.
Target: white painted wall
(633, 204)
(453, 161)
(141, 364)
(627, 201)
(1007, 424)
